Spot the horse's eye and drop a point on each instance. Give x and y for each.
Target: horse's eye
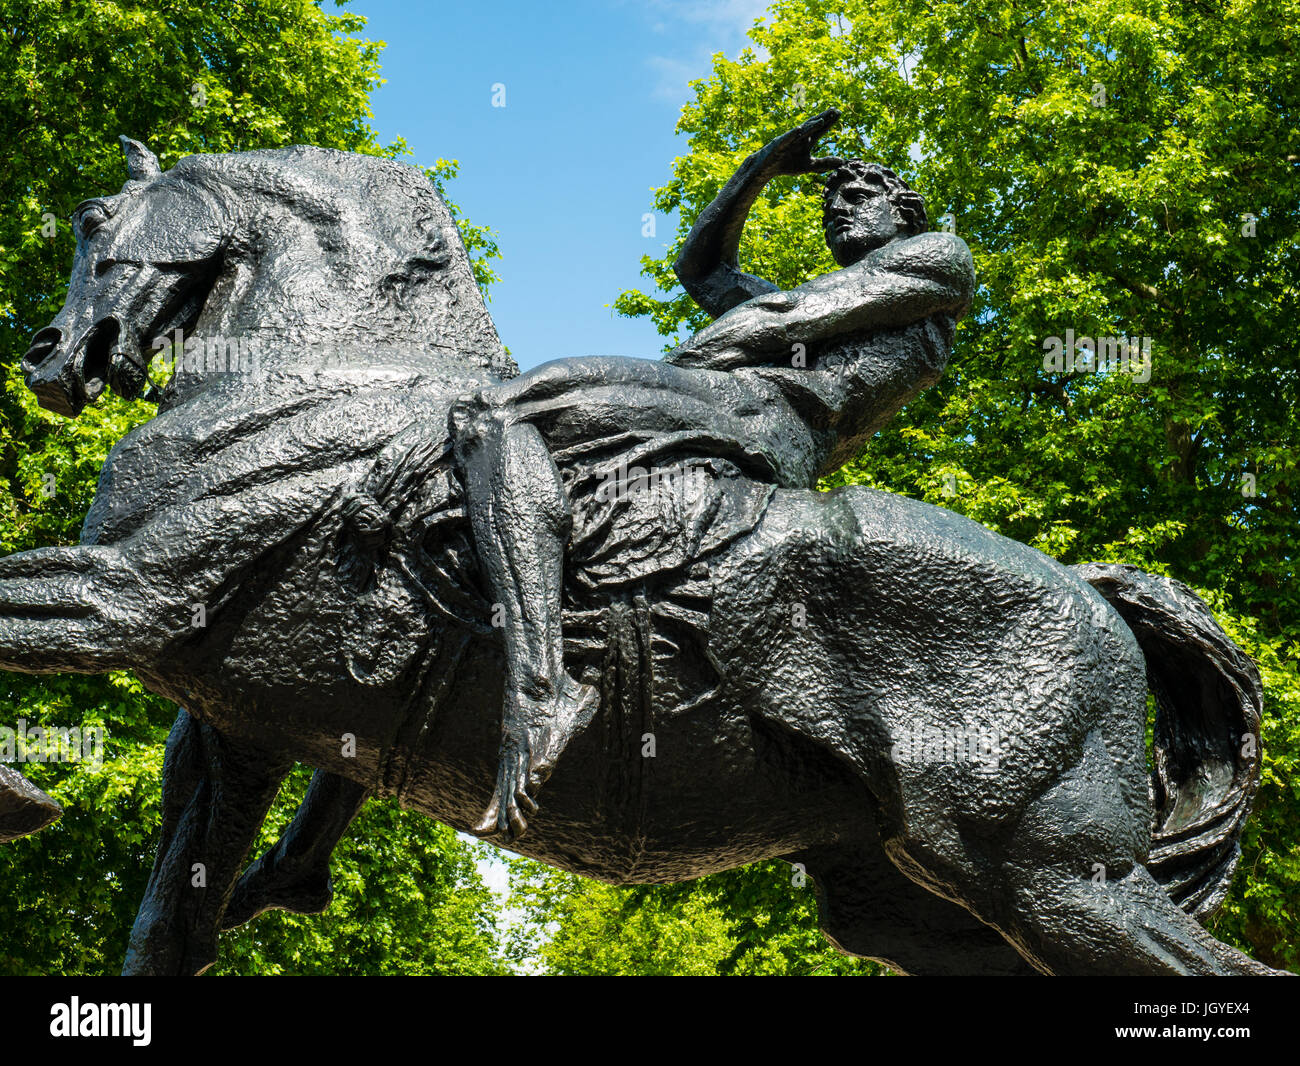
(91, 219)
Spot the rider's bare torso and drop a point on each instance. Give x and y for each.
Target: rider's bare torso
(786, 385)
(844, 352)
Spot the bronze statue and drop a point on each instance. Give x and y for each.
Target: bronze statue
(432, 579)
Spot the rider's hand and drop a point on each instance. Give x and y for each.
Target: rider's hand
(791, 153)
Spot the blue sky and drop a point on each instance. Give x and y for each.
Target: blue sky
(563, 172)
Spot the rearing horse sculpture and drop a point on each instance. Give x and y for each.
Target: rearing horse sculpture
(297, 486)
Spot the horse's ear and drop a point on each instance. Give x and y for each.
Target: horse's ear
(141, 164)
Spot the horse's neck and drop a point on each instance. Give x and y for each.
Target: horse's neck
(288, 284)
(286, 302)
(339, 257)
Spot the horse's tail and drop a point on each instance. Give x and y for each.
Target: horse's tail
(1208, 699)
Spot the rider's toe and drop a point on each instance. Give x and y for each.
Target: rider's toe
(491, 821)
(518, 824)
(525, 801)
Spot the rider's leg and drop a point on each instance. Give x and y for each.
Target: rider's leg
(577, 400)
(520, 518)
(519, 515)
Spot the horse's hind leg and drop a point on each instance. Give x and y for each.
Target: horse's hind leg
(216, 792)
(294, 875)
(869, 908)
(1063, 885)
(1080, 905)
(1126, 926)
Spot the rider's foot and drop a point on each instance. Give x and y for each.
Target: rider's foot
(529, 754)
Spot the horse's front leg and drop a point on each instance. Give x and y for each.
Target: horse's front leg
(80, 610)
(216, 793)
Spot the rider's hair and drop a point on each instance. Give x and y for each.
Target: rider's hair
(908, 204)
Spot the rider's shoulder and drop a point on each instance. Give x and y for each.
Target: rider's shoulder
(932, 254)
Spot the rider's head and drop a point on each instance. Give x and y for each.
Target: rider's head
(866, 206)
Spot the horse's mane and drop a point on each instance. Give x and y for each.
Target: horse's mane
(386, 227)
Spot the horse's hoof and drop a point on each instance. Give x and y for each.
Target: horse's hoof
(308, 896)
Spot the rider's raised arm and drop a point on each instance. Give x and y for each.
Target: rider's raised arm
(709, 264)
(904, 283)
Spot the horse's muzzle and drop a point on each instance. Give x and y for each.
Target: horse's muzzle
(67, 377)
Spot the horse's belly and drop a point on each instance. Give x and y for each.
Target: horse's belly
(637, 802)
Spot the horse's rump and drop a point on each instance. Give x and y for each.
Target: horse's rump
(960, 657)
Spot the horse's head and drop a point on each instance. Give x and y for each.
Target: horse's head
(144, 263)
(304, 252)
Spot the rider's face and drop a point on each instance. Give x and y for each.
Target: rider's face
(858, 218)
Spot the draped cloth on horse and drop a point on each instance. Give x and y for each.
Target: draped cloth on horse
(393, 526)
(663, 467)
(637, 584)
(650, 509)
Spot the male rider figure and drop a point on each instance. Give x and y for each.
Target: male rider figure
(788, 385)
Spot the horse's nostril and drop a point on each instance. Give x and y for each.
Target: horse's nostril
(44, 345)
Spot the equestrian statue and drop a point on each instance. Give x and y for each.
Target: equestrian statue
(598, 611)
